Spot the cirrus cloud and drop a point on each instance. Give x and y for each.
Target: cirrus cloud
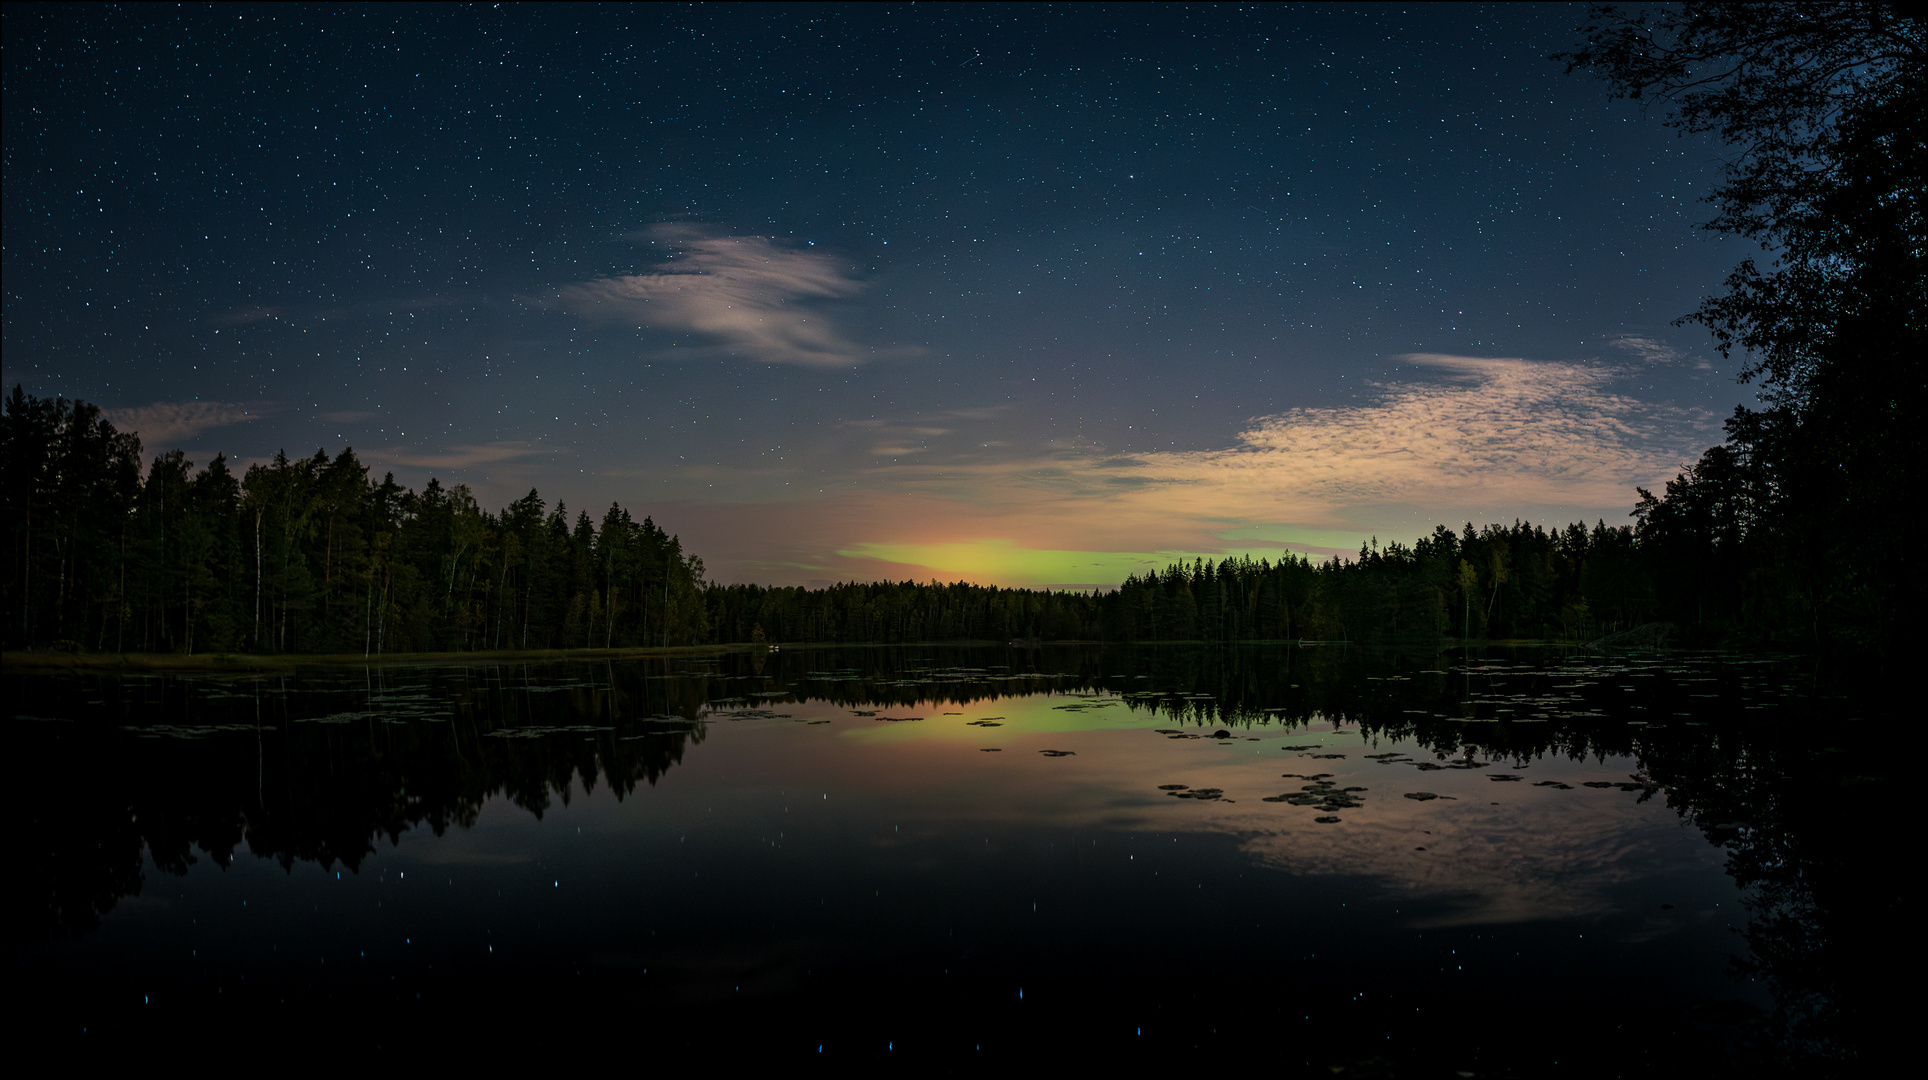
(995, 495)
(1484, 439)
(466, 456)
(748, 294)
(1491, 431)
(168, 424)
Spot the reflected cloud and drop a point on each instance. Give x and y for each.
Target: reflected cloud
(747, 293)
(167, 424)
(1485, 866)
(1458, 861)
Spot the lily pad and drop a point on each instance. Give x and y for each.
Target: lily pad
(1421, 796)
(1206, 793)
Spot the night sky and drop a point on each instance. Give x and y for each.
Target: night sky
(1023, 295)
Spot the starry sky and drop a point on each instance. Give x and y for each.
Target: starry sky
(1025, 295)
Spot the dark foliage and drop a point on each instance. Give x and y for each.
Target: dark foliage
(312, 556)
(306, 556)
(1823, 106)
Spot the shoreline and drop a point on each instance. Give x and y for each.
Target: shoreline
(239, 662)
(22, 659)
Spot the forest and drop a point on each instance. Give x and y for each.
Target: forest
(314, 555)
(308, 556)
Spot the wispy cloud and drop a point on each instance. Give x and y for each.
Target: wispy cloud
(1476, 434)
(748, 294)
(168, 424)
(1653, 352)
(1491, 431)
(1001, 497)
(464, 456)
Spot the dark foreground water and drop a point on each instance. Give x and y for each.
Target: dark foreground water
(1519, 863)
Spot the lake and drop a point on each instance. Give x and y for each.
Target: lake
(1517, 862)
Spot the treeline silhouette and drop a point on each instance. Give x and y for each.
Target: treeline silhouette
(308, 556)
(1518, 581)
(315, 556)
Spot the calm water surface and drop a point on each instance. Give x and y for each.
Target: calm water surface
(1510, 864)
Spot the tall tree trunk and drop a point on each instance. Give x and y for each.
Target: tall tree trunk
(257, 577)
(120, 609)
(26, 577)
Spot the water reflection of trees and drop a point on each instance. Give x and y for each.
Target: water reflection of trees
(280, 767)
(1759, 760)
(1238, 685)
(1747, 750)
(321, 767)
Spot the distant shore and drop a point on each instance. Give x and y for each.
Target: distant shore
(52, 661)
(13, 660)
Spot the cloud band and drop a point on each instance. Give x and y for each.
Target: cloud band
(748, 294)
